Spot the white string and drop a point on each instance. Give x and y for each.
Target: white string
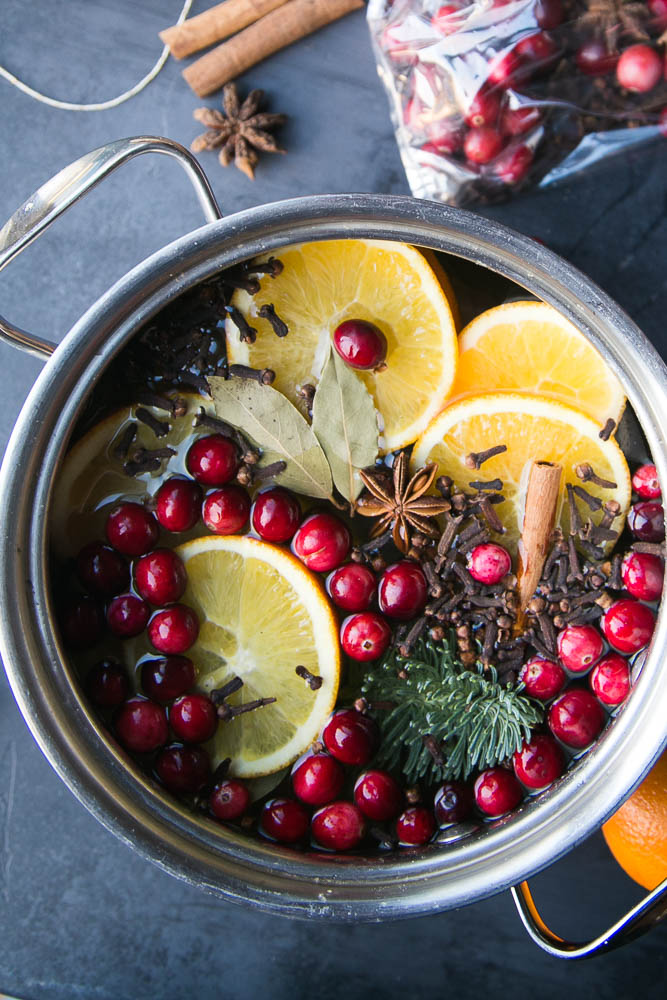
(105, 105)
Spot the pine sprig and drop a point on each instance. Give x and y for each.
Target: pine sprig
(472, 720)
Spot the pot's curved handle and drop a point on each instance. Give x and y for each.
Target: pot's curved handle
(56, 196)
(646, 914)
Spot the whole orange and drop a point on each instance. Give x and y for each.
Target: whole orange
(637, 834)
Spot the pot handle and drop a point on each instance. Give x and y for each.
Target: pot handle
(641, 918)
(58, 194)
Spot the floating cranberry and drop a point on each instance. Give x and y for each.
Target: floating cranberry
(352, 587)
(174, 629)
(513, 164)
(102, 570)
(226, 510)
(322, 542)
(82, 623)
(415, 826)
(646, 521)
(445, 134)
(576, 718)
(229, 799)
(360, 344)
(285, 820)
(132, 529)
(516, 121)
(448, 18)
(483, 109)
(106, 684)
(127, 615)
(593, 58)
(497, 791)
(275, 515)
(365, 636)
(378, 795)
(403, 590)
(543, 679)
(350, 737)
(539, 761)
(628, 625)
(639, 69)
(212, 460)
(194, 718)
(160, 577)
(489, 563)
(183, 769)
(317, 779)
(537, 49)
(643, 575)
(610, 679)
(658, 9)
(141, 725)
(482, 144)
(579, 646)
(645, 480)
(178, 504)
(167, 677)
(504, 69)
(339, 826)
(548, 13)
(453, 802)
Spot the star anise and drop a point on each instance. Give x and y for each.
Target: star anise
(400, 503)
(240, 131)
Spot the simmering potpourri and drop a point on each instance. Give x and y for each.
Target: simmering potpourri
(334, 572)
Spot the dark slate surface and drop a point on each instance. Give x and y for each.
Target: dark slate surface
(80, 914)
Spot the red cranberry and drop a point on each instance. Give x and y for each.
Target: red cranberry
(415, 826)
(285, 820)
(229, 799)
(131, 529)
(352, 587)
(365, 636)
(82, 623)
(658, 9)
(167, 677)
(445, 134)
(579, 646)
(275, 515)
(639, 69)
(576, 718)
(645, 480)
(174, 629)
(482, 144)
(543, 678)
(141, 725)
(350, 737)
(539, 761)
(212, 460)
(516, 121)
(610, 679)
(322, 542)
(497, 791)
(504, 69)
(483, 108)
(226, 510)
(448, 18)
(453, 802)
(360, 344)
(338, 826)
(317, 779)
(548, 13)
(513, 164)
(536, 49)
(628, 625)
(403, 590)
(643, 575)
(179, 504)
(127, 615)
(378, 795)
(183, 769)
(489, 563)
(593, 58)
(106, 684)
(160, 576)
(194, 718)
(102, 570)
(646, 521)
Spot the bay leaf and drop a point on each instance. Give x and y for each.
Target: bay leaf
(345, 422)
(269, 419)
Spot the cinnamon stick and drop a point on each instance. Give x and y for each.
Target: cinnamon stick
(288, 23)
(213, 25)
(542, 497)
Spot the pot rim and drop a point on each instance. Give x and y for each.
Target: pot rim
(93, 766)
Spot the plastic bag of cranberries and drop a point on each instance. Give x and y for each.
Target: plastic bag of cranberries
(489, 96)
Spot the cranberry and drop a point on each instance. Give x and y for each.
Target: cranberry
(127, 615)
(378, 795)
(579, 646)
(543, 679)
(537, 49)
(482, 144)
(360, 344)
(179, 504)
(229, 799)
(102, 570)
(160, 576)
(504, 69)
(415, 826)
(275, 515)
(593, 58)
(193, 718)
(317, 779)
(576, 718)
(453, 802)
(350, 737)
(322, 542)
(141, 725)
(212, 460)
(628, 625)
(489, 563)
(483, 108)
(403, 590)
(516, 121)
(338, 826)
(365, 636)
(639, 69)
(131, 529)
(82, 623)
(548, 13)
(646, 521)
(513, 164)
(448, 18)
(658, 9)
(167, 677)
(183, 769)
(352, 587)
(174, 629)
(497, 791)
(539, 761)
(445, 134)
(645, 480)
(610, 679)
(643, 575)
(285, 820)
(106, 684)
(226, 510)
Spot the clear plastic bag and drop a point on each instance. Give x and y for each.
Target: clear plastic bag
(490, 96)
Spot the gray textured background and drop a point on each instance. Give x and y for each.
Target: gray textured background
(80, 914)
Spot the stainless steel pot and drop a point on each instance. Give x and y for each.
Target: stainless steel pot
(438, 877)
